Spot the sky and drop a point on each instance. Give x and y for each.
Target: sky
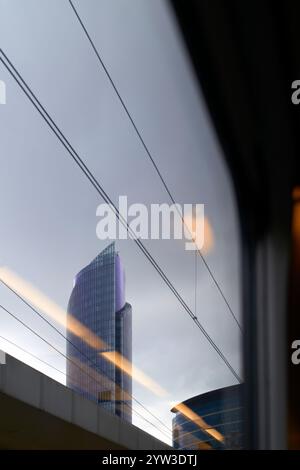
(48, 208)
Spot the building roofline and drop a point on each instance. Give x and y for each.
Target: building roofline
(208, 396)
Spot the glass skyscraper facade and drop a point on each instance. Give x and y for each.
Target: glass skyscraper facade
(98, 302)
(222, 412)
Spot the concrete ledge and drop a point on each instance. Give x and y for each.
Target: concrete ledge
(40, 413)
(84, 413)
(56, 399)
(22, 382)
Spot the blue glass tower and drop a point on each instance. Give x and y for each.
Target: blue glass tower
(98, 302)
(222, 410)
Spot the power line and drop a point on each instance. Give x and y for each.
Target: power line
(32, 355)
(149, 422)
(61, 334)
(141, 139)
(78, 160)
(68, 359)
(65, 374)
(91, 361)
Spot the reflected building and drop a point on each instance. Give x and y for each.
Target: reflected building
(98, 302)
(220, 410)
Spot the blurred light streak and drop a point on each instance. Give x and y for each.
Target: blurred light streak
(209, 240)
(127, 367)
(56, 313)
(192, 416)
(100, 380)
(50, 308)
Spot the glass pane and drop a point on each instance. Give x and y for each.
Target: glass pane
(179, 376)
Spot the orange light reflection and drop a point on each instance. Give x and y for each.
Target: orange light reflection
(134, 372)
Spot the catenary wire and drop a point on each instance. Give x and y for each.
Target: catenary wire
(55, 368)
(68, 359)
(75, 347)
(78, 160)
(151, 158)
(32, 355)
(12, 343)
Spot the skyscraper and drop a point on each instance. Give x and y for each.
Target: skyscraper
(98, 302)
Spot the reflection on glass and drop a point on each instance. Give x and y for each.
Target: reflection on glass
(98, 302)
(213, 419)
